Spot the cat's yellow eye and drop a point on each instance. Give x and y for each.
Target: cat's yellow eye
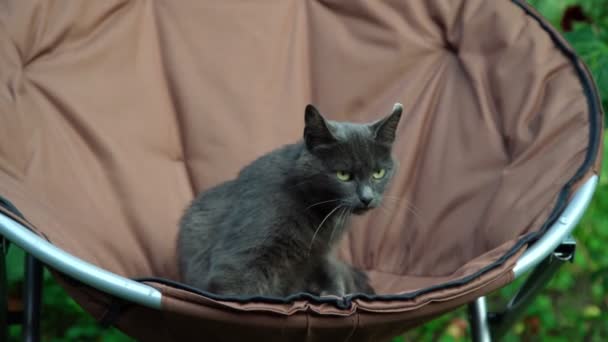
(343, 176)
(379, 174)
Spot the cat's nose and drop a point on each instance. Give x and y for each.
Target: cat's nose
(366, 200)
(366, 195)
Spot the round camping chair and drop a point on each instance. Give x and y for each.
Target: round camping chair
(115, 114)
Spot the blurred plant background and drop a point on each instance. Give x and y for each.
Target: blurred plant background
(574, 307)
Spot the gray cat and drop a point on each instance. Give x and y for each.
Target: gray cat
(272, 230)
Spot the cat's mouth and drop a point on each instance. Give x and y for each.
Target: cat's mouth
(361, 210)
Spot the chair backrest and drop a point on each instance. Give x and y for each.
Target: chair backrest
(114, 114)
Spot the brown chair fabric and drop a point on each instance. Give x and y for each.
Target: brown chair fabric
(114, 114)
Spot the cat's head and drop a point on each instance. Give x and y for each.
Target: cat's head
(350, 164)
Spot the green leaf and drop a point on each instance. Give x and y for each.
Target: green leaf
(14, 265)
(592, 311)
(551, 10)
(519, 328)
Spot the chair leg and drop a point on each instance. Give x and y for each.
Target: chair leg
(32, 299)
(478, 317)
(535, 283)
(3, 293)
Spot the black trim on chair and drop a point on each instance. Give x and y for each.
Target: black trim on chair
(10, 207)
(5, 203)
(4, 243)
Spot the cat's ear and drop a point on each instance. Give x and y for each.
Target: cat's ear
(386, 128)
(316, 129)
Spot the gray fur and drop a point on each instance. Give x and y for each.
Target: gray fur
(271, 231)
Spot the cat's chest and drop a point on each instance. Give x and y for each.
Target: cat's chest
(327, 230)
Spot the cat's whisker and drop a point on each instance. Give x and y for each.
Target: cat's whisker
(333, 229)
(398, 200)
(409, 208)
(342, 220)
(323, 202)
(384, 209)
(319, 227)
(412, 210)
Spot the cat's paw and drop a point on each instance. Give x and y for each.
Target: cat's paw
(332, 294)
(361, 282)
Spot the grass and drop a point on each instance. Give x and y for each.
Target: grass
(574, 307)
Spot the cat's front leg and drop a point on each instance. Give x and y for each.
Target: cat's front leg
(341, 279)
(359, 282)
(235, 281)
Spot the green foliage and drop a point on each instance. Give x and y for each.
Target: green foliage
(14, 262)
(591, 43)
(574, 307)
(589, 38)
